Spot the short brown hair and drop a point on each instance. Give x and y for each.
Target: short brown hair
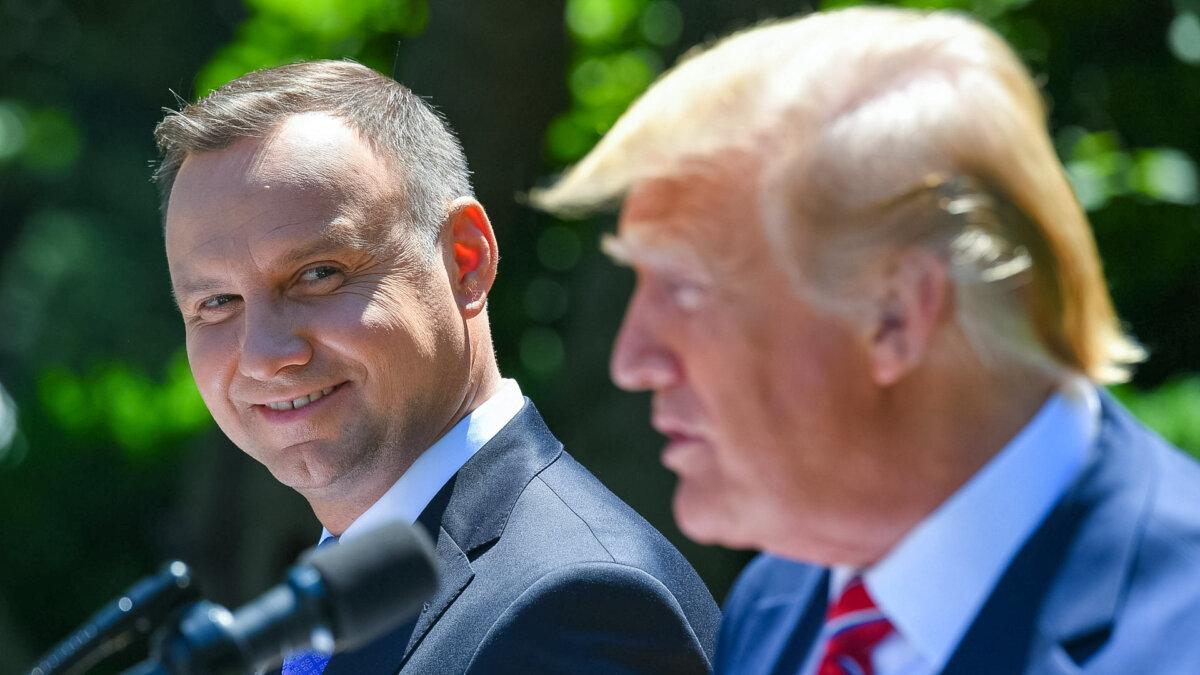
(393, 120)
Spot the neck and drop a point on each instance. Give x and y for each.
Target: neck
(343, 502)
(940, 427)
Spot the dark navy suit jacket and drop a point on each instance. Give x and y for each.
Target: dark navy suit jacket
(543, 569)
(1109, 583)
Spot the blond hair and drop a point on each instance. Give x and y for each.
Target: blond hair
(877, 128)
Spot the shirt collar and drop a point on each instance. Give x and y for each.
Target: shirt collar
(417, 486)
(934, 582)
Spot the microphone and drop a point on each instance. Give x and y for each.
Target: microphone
(138, 611)
(334, 599)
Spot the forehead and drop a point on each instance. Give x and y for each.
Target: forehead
(704, 213)
(312, 177)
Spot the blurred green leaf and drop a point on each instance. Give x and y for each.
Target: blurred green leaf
(558, 248)
(601, 21)
(284, 31)
(612, 79)
(1100, 170)
(983, 9)
(8, 423)
(1183, 37)
(1164, 174)
(546, 300)
(53, 140)
(569, 137)
(661, 23)
(67, 400)
(541, 350)
(13, 136)
(116, 401)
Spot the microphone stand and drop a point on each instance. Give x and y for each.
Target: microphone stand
(145, 605)
(207, 639)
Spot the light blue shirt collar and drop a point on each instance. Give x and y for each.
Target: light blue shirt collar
(409, 496)
(935, 581)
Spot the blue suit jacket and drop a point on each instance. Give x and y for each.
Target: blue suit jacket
(1109, 583)
(544, 570)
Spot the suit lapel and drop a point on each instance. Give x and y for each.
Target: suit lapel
(806, 625)
(454, 573)
(472, 509)
(385, 654)
(467, 514)
(1055, 604)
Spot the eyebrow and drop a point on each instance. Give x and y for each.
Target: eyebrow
(311, 250)
(193, 288)
(291, 258)
(655, 252)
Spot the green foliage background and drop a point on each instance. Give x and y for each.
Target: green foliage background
(109, 462)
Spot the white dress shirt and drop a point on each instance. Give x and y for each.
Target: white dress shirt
(409, 496)
(934, 582)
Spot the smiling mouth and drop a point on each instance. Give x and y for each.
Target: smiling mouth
(297, 403)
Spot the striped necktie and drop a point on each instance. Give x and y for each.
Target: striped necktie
(854, 626)
(308, 662)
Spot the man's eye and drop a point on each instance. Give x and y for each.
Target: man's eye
(319, 273)
(688, 296)
(217, 301)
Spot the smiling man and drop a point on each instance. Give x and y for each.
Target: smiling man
(332, 269)
(873, 319)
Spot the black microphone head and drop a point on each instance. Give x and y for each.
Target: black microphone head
(374, 582)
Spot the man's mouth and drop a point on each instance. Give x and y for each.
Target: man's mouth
(674, 429)
(301, 401)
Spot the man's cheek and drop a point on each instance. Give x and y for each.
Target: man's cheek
(212, 383)
(209, 382)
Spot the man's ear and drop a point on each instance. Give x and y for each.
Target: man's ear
(913, 299)
(473, 255)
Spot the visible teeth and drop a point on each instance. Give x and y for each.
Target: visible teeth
(300, 402)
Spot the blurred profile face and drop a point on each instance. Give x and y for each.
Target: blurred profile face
(325, 345)
(756, 390)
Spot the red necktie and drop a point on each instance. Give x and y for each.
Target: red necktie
(854, 626)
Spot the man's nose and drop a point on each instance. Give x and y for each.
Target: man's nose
(272, 341)
(640, 360)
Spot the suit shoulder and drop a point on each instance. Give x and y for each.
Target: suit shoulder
(766, 614)
(1176, 512)
(1158, 485)
(1170, 547)
(560, 590)
(624, 533)
(768, 585)
(769, 578)
(594, 617)
(571, 517)
(579, 489)
(1160, 598)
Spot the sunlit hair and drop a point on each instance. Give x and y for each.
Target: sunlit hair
(876, 129)
(394, 121)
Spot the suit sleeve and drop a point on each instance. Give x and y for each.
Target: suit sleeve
(592, 618)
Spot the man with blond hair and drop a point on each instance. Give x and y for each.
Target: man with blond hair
(874, 323)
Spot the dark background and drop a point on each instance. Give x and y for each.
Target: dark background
(109, 463)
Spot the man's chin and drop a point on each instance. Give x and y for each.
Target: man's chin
(706, 520)
(301, 480)
(304, 475)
